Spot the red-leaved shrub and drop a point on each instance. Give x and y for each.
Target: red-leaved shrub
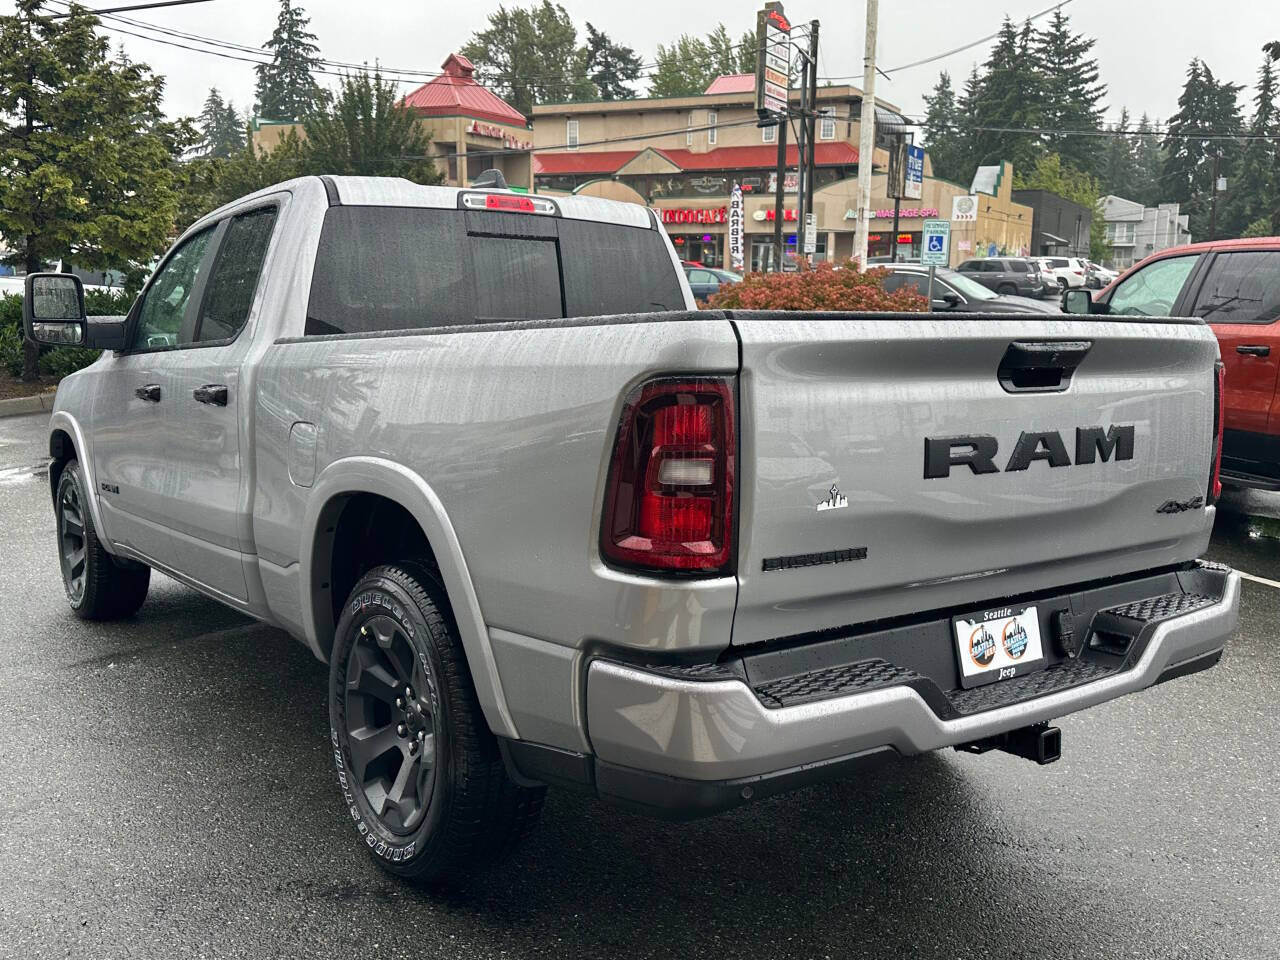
(824, 288)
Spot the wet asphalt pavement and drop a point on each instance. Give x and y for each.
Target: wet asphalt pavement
(166, 791)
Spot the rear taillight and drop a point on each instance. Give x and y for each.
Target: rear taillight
(669, 501)
(1219, 411)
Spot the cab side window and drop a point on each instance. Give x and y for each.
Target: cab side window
(1241, 287)
(235, 275)
(703, 276)
(165, 303)
(1153, 290)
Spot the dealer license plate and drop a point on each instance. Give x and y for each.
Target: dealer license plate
(998, 644)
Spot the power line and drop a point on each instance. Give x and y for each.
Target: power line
(960, 49)
(134, 6)
(264, 56)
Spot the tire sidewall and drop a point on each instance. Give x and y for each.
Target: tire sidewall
(379, 595)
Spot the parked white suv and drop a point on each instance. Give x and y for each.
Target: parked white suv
(1066, 271)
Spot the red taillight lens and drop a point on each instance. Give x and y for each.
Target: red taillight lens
(669, 502)
(1219, 414)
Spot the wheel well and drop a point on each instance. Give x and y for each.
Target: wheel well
(62, 450)
(358, 532)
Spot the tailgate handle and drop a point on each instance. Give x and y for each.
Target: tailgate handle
(1041, 366)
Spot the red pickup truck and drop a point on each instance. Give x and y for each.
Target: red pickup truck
(1235, 286)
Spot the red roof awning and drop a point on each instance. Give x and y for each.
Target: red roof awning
(760, 157)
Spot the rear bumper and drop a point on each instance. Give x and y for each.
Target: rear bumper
(680, 744)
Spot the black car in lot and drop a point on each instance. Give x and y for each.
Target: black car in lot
(704, 281)
(959, 293)
(1006, 275)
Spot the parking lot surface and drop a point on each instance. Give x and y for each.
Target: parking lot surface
(166, 790)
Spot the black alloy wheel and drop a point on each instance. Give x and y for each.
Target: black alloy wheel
(391, 710)
(71, 541)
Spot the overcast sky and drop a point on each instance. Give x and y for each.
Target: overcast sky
(1143, 45)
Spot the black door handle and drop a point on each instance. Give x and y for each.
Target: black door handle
(1254, 350)
(214, 394)
(150, 393)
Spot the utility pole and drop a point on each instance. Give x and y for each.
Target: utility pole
(1213, 210)
(802, 168)
(778, 207)
(867, 140)
(812, 118)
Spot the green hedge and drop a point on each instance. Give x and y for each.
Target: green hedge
(55, 362)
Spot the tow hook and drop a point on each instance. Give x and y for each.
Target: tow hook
(1041, 743)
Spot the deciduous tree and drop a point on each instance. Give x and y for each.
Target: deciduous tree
(87, 159)
(687, 65)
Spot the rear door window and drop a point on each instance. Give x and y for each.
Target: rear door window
(235, 275)
(404, 268)
(1017, 266)
(1241, 287)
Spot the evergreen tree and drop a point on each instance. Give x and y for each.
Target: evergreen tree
(1008, 102)
(1148, 162)
(1069, 92)
(222, 132)
(944, 133)
(87, 159)
(610, 66)
(1259, 177)
(286, 88)
(1119, 164)
(969, 136)
(1207, 110)
(366, 131)
(531, 55)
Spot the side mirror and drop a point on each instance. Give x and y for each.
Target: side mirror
(952, 300)
(53, 309)
(1079, 300)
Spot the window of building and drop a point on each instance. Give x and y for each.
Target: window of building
(827, 123)
(571, 134)
(1120, 233)
(769, 134)
(688, 137)
(711, 127)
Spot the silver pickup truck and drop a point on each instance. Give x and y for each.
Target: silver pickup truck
(548, 524)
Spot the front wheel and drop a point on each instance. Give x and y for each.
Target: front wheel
(1007, 290)
(420, 773)
(98, 586)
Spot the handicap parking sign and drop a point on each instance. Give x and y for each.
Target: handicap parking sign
(937, 243)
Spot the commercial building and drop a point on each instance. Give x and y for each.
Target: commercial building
(1135, 231)
(1059, 227)
(682, 156)
(472, 129)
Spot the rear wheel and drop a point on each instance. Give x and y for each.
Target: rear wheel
(1062, 283)
(420, 772)
(98, 586)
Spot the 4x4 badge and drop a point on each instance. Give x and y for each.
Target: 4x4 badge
(835, 500)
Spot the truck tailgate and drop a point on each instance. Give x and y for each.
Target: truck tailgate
(846, 519)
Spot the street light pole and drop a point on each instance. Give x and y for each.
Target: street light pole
(867, 138)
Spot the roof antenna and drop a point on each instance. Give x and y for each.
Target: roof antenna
(492, 179)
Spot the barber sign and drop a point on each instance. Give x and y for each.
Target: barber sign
(736, 228)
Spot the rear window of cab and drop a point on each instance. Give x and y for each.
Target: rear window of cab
(384, 269)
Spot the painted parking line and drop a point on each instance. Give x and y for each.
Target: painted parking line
(1262, 580)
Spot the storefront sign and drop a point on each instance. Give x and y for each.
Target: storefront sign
(790, 182)
(737, 228)
(914, 186)
(773, 63)
(770, 215)
(907, 213)
(964, 209)
(489, 130)
(683, 215)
